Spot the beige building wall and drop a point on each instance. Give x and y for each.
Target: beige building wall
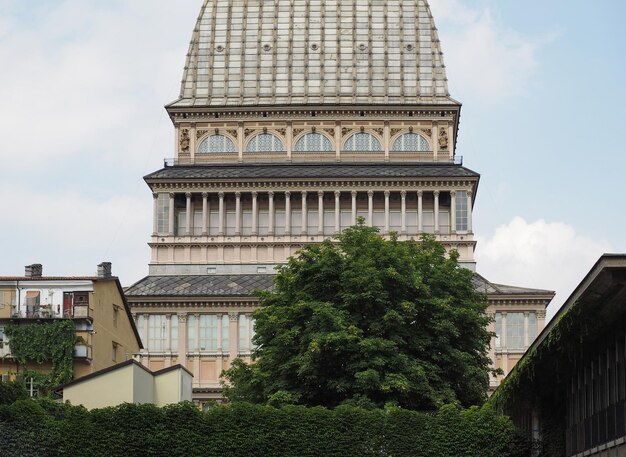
(113, 388)
(129, 382)
(111, 326)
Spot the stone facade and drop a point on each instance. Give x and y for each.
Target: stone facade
(271, 155)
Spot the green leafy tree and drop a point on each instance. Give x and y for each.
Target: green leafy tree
(369, 322)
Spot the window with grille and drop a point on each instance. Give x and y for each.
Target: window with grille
(515, 330)
(314, 142)
(265, 142)
(216, 144)
(163, 211)
(413, 142)
(362, 142)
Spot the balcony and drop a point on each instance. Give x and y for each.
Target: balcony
(426, 157)
(50, 312)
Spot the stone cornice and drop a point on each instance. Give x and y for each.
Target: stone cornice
(206, 185)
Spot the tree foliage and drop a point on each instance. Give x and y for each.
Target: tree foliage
(368, 322)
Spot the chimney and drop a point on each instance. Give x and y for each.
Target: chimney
(104, 270)
(33, 271)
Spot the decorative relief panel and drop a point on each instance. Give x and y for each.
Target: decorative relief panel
(201, 133)
(184, 140)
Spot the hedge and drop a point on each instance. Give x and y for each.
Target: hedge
(46, 428)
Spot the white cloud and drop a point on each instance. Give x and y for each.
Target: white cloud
(540, 254)
(70, 233)
(484, 58)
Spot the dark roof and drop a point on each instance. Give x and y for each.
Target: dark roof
(206, 285)
(244, 285)
(49, 278)
(490, 288)
(296, 171)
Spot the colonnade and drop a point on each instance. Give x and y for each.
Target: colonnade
(322, 207)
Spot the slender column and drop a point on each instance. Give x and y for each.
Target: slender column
(386, 135)
(403, 211)
(171, 215)
(469, 211)
(420, 211)
(255, 213)
(237, 213)
(304, 214)
(270, 230)
(320, 212)
(144, 333)
(386, 211)
(188, 218)
(197, 333)
(219, 332)
(289, 140)
(353, 193)
(205, 212)
(503, 336)
(436, 194)
(155, 214)
(221, 214)
(233, 335)
(287, 213)
(453, 211)
(337, 141)
(240, 141)
(337, 211)
(370, 208)
(168, 332)
(182, 339)
(525, 329)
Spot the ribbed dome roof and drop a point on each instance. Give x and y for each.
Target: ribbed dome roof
(297, 52)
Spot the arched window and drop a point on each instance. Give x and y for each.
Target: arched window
(411, 142)
(314, 142)
(216, 143)
(265, 142)
(362, 142)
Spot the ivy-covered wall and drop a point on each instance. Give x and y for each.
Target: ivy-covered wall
(243, 430)
(47, 346)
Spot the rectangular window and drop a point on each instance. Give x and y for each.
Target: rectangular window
(225, 332)
(214, 218)
(428, 221)
(395, 221)
(191, 333)
(411, 222)
(197, 222)
(181, 222)
(378, 219)
(532, 327)
(114, 347)
(461, 211)
(296, 221)
(32, 303)
(116, 310)
(244, 333)
(498, 329)
(515, 330)
(246, 228)
(444, 222)
(279, 217)
(163, 211)
(207, 332)
(230, 222)
(312, 222)
(174, 332)
(264, 221)
(329, 222)
(345, 219)
(156, 332)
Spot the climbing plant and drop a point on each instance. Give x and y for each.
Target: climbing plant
(41, 342)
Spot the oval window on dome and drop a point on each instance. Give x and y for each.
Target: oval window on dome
(411, 142)
(362, 142)
(216, 144)
(313, 142)
(265, 142)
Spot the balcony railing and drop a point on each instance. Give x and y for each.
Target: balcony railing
(52, 312)
(426, 157)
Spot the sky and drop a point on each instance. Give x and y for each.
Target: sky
(83, 84)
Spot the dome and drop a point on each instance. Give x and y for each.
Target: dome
(317, 52)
